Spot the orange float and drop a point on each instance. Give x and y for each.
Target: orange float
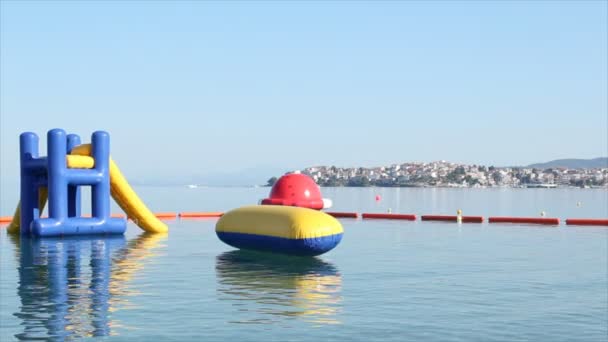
(587, 222)
(452, 218)
(200, 214)
(530, 220)
(408, 217)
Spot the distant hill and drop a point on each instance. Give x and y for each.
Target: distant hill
(573, 163)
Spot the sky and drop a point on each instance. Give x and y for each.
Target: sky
(191, 88)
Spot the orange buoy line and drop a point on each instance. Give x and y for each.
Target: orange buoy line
(166, 215)
(408, 217)
(200, 214)
(587, 222)
(342, 214)
(531, 220)
(452, 218)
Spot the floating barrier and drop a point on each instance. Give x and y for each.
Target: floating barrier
(279, 229)
(452, 218)
(587, 222)
(342, 214)
(200, 215)
(531, 220)
(408, 217)
(166, 215)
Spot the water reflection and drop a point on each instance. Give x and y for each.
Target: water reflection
(267, 287)
(69, 287)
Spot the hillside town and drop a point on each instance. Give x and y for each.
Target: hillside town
(446, 174)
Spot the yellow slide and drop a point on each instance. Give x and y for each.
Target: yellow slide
(126, 198)
(120, 189)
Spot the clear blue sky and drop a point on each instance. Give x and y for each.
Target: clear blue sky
(194, 87)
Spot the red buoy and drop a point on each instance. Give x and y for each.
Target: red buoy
(450, 218)
(531, 220)
(342, 214)
(587, 222)
(297, 190)
(408, 217)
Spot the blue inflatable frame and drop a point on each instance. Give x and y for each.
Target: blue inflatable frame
(63, 187)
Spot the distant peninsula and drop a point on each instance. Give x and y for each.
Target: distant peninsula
(582, 173)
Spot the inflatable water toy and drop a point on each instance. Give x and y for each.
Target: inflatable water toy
(297, 190)
(58, 178)
(279, 229)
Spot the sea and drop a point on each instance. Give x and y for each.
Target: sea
(386, 281)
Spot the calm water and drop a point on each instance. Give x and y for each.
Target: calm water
(389, 281)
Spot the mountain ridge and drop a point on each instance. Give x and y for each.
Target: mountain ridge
(572, 163)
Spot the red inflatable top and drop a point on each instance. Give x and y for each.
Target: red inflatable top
(296, 190)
